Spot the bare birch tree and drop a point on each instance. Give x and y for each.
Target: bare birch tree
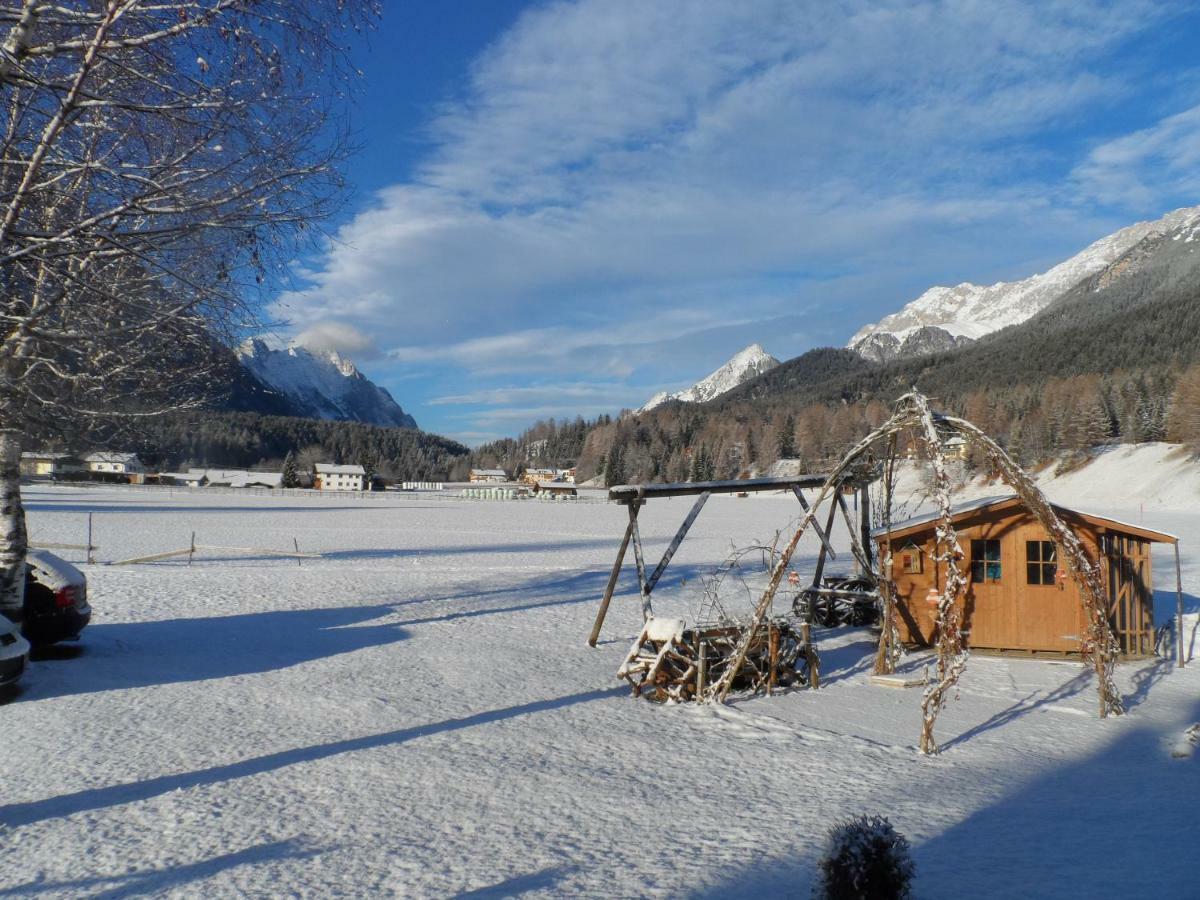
(159, 162)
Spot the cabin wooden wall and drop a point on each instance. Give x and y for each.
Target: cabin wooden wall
(1011, 614)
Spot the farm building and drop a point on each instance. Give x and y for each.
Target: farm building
(533, 476)
(556, 488)
(485, 476)
(339, 478)
(50, 464)
(1019, 595)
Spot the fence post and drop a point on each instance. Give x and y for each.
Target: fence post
(90, 558)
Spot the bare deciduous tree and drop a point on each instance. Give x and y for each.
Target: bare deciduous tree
(158, 163)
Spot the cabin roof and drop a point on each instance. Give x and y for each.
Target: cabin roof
(1001, 503)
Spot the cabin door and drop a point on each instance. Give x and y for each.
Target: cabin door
(1130, 593)
(989, 614)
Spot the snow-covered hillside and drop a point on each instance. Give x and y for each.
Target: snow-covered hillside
(323, 384)
(971, 310)
(749, 363)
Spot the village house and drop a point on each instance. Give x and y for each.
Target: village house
(1019, 594)
(492, 476)
(533, 476)
(50, 464)
(340, 478)
(111, 462)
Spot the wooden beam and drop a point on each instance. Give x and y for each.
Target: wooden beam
(820, 570)
(855, 546)
(647, 610)
(1179, 607)
(612, 580)
(676, 541)
(864, 525)
(816, 527)
(628, 493)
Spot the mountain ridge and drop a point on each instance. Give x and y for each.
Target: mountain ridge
(746, 364)
(321, 384)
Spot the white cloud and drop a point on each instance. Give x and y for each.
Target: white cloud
(619, 175)
(1137, 170)
(340, 337)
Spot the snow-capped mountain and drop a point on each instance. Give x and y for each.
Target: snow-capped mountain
(943, 317)
(749, 363)
(322, 384)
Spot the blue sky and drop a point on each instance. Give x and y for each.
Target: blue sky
(564, 207)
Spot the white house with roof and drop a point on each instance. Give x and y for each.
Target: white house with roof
(50, 463)
(114, 462)
(339, 478)
(238, 478)
(495, 476)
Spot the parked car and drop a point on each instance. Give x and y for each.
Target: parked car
(56, 603)
(14, 652)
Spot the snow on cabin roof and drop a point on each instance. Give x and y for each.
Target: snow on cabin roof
(46, 454)
(330, 469)
(960, 510)
(111, 456)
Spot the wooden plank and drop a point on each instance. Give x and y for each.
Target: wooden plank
(824, 538)
(647, 610)
(676, 541)
(627, 493)
(1179, 607)
(855, 547)
(612, 581)
(152, 557)
(820, 570)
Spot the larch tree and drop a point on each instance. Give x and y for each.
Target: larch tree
(159, 162)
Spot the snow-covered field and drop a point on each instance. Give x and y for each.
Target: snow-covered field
(417, 714)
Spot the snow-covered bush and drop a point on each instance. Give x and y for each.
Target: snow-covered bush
(865, 859)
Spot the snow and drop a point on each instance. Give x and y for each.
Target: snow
(417, 714)
(322, 383)
(745, 364)
(972, 310)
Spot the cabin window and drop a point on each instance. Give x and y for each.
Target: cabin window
(910, 560)
(1041, 562)
(985, 561)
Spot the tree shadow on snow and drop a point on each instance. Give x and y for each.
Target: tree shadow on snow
(1118, 823)
(141, 654)
(155, 881)
(1027, 704)
(543, 880)
(16, 815)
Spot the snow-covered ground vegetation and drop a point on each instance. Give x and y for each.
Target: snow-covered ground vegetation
(417, 714)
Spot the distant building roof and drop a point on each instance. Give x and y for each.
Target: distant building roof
(498, 472)
(46, 454)
(112, 456)
(330, 469)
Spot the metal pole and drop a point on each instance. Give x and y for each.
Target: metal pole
(90, 548)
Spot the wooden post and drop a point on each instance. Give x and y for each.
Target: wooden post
(820, 570)
(612, 580)
(677, 540)
(864, 526)
(638, 559)
(91, 559)
(192, 549)
(702, 665)
(826, 547)
(296, 544)
(855, 548)
(1179, 607)
(772, 657)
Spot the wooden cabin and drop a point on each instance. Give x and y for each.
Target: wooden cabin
(1020, 595)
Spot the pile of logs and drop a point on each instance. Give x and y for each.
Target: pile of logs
(669, 662)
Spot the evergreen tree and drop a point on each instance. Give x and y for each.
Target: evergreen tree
(291, 471)
(785, 444)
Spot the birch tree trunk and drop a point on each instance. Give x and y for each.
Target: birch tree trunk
(13, 537)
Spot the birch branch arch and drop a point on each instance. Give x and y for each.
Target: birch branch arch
(913, 416)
